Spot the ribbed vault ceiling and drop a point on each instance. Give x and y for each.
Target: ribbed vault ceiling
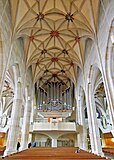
(55, 32)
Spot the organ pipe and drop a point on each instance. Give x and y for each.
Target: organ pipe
(54, 97)
(38, 96)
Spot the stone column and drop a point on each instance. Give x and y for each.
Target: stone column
(92, 121)
(76, 142)
(78, 110)
(108, 80)
(103, 141)
(26, 123)
(82, 121)
(2, 66)
(80, 140)
(84, 139)
(54, 142)
(1, 109)
(82, 136)
(81, 110)
(15, 120)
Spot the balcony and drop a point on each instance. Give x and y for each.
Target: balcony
(53, 126)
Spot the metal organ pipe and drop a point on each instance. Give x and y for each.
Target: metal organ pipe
(67, 98)
(71, 98)
(64, 100)
(41, 96)
(45, 100)
(57, 90)
(38, 97)
(48, 95)
(61, 92)
(54, 91)
(44, 97)
(48, 92)
(51, 91)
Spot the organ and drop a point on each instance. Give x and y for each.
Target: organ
(56, 96)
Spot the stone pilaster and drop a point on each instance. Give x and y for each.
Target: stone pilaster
(92, 122)
(15, 120)
(54, 142)
(26, 124)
